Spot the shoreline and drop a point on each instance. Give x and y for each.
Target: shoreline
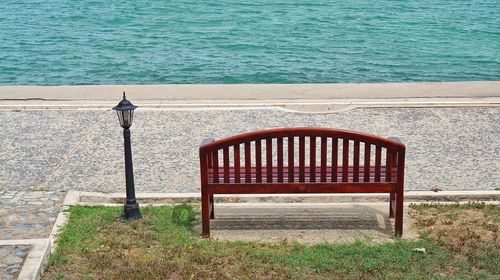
(313, 98)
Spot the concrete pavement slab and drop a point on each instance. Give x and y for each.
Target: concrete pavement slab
(320, 223)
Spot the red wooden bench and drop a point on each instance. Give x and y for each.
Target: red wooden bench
(269, 162)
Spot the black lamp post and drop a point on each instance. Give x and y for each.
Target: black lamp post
(125, 111)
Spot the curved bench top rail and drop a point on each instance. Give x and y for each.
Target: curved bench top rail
(302, 131)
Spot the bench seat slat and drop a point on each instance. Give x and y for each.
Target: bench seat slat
(319, 187)
(253, 174)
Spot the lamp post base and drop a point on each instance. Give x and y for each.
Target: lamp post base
(132, 212)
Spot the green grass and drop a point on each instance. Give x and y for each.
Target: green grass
(98, 244)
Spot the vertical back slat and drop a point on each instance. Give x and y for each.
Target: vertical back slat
(258, 161)
(378, 162)
(291, 160)
(335, 158)
(280, 159)
(302, 158)
(248, 163)
(345, 160)
(395, 163)
(388, 165)
(225, 158)
(237, 172)
(209, 165)
(355, 174)
(367, 162)
(312, 159)
(323, 158)
(269, 159)
(215, 165)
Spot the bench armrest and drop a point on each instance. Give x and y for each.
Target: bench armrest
(395, 139)
(207, 141)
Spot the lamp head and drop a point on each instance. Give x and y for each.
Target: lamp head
(125, 110)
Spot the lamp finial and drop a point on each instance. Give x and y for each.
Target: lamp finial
(124, 95)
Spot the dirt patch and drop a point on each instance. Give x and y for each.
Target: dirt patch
(462, 227)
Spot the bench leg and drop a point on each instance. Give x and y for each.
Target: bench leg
(205, 214)
(391, 204)
(212, 212)
(399, 214)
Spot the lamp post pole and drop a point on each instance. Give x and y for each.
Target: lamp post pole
(131, 205)
(125, 111)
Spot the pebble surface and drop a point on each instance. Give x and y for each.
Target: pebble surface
(24, 215)
(28, 215)
(11, 260)
(447, 148)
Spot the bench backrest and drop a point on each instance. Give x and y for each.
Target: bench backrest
(303, 155)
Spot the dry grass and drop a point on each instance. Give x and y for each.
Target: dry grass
(470, 231)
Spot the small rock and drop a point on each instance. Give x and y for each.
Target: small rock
(20, 254)
(5, 250)
(420, 250)
(12, 270)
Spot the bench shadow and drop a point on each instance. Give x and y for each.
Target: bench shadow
(353, 217)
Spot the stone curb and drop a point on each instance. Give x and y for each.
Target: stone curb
(77, 197)
(298, 105)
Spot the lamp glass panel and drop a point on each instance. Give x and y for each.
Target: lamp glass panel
(131, 116)
(127, 118)
(120, 118)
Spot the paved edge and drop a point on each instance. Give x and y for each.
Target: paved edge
(255, 91)
(80, 197)
(312, 98)
(311, 106)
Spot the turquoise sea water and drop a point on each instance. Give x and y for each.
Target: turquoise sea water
(60, 42)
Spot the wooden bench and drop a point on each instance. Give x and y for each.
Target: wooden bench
(276, 161)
